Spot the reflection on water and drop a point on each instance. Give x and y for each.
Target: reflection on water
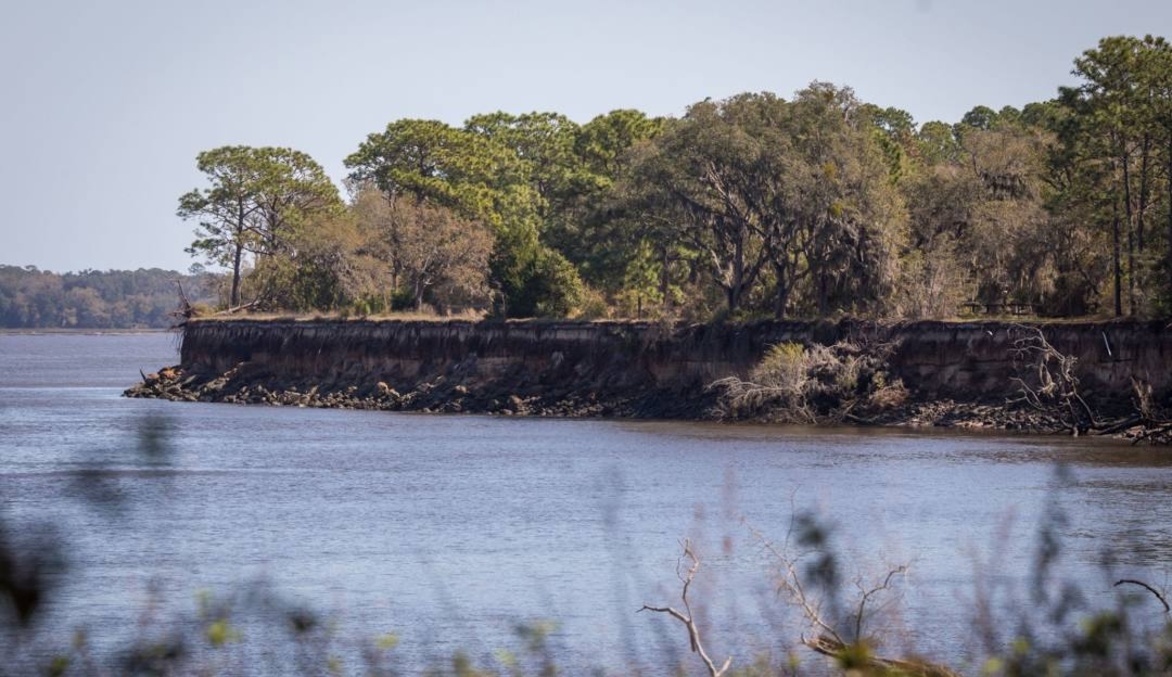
(450, 529)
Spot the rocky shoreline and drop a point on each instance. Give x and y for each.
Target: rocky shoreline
(444, 397)
(440, 395)
(1073, 378)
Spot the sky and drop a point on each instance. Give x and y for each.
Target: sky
(105, 105)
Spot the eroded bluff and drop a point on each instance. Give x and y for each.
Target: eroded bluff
(652, 370)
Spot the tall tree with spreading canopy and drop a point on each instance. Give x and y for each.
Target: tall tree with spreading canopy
(848, 221)
(256, 197)
(432, 253)
(797, 190)
(589, 226)
(689, 178)
(480, 173)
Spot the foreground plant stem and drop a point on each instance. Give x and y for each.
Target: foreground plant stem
(685, 617)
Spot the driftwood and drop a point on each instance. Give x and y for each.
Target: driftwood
(243, 306)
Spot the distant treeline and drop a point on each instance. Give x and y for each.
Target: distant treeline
(92, 299)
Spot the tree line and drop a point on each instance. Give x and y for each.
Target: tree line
(92, 299)
(755, 205)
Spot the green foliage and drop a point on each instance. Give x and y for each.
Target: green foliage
(815, 206)
(494, 172)
(1115, 129)
(551, 288)
(588, 224)
(795, 195)
(256, 200)
(471, 173)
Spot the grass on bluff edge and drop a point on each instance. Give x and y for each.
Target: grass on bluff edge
(405, 316)
(204, 313)
(838, 616)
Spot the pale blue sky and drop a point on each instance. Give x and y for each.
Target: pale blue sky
(106, 104)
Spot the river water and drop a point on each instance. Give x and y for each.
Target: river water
(450, 531)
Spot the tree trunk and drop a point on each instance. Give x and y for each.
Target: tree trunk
(1130, 221)
(238, 255)
(234, 299)
(1168, 274)
(1115, 258)
(1144, 192)
(664, 279)
(823, 294)
(732, 297)
(418, 289)
(738, 280)
(781, 301)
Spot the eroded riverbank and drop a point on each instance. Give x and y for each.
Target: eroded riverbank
(973, 374)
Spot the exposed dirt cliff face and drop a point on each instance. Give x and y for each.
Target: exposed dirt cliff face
(622, 368)
(981, 359)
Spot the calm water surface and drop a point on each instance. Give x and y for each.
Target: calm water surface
(449, 530)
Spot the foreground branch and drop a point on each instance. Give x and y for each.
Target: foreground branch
(1147, 587)
(685, 616)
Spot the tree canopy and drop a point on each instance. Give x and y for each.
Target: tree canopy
(257, 198)
(754, 205)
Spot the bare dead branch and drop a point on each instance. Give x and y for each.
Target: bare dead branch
(1049, 381)
(866, 596)
(685, 616)
(829, 641)
(1147, 587)
(790, 584)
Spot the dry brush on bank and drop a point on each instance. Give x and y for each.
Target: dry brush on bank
(1029, 384)
(816, 384)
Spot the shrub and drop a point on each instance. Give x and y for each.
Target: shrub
(811, 384)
